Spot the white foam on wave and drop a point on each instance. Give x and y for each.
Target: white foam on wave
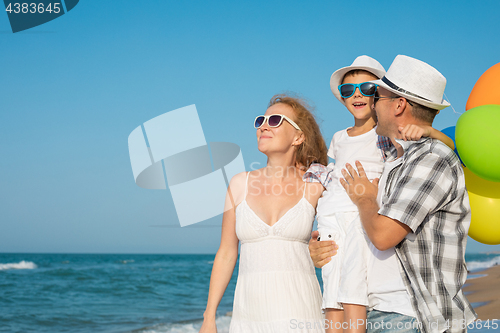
(191, 327)
(479, 265)
(126, 261)
(20, 265)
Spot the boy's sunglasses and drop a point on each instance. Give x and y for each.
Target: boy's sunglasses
(274, 120)
(366, 88)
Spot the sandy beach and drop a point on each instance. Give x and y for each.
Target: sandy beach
(485, 289)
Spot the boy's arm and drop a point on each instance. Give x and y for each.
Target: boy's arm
(415, 132)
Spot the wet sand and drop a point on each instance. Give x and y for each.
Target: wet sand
(484, 293)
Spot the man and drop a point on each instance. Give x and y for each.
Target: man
(422, 209)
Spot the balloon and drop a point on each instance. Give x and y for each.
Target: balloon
(480, 186)
(450, 132)
(478, 141)
(477, 138)
(485, 222)
(484, 198)
(486, 90)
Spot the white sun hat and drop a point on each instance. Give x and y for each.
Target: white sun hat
(363, 62)
(415, 80)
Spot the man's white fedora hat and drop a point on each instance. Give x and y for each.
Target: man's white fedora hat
(363, 62)
(415, 80)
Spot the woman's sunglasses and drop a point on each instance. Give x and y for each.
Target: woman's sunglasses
(274, 120)
(366, 88)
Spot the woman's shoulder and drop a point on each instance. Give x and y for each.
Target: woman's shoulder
(237, 186)
(314, 188)
(313, 192)
(242, 177)
(238, 180)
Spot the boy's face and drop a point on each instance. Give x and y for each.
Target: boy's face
(359, 106)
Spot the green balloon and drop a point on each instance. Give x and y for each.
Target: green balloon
(478, 141)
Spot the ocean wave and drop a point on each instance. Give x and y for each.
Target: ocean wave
(187, 327)
(20, 265)
(479, 265)
(126, 261)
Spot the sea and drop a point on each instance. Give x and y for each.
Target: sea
(139, 293)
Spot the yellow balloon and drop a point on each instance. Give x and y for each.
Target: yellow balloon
(484, 198)
(485, 223)
(481, 186)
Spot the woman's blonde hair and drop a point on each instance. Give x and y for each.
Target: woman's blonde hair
(313, 148)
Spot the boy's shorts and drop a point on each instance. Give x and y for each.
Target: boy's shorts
(344, 277)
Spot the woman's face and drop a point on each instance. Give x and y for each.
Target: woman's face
(278, 139)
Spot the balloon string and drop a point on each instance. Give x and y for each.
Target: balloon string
(452, 105)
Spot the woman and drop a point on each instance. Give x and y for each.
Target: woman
(272, 216)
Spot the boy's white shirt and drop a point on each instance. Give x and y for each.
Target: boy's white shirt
(346, 149)
(386, 290)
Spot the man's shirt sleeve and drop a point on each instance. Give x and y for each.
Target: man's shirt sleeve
(421, 186)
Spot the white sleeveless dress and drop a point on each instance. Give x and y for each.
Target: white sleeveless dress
(277, 289)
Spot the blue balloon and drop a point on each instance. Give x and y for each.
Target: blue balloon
(450, 132)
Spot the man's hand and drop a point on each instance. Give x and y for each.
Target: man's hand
(321, 252)
(357, 185)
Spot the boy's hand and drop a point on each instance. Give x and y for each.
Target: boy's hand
(412, 132)
(321, 252)
(357, 185)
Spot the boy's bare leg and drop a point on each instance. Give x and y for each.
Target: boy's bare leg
(335, 318)
(355, 318)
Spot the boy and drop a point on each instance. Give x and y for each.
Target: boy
(345, 293)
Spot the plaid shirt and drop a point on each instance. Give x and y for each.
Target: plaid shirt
(318, 173)
(427, 193)
(385, 145)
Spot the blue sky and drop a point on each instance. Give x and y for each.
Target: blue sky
(73, 89)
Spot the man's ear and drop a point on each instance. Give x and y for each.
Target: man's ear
(400, 107)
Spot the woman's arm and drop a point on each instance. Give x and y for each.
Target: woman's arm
(314, 192)
(226, 256)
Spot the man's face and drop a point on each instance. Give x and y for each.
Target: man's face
(384, 105)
